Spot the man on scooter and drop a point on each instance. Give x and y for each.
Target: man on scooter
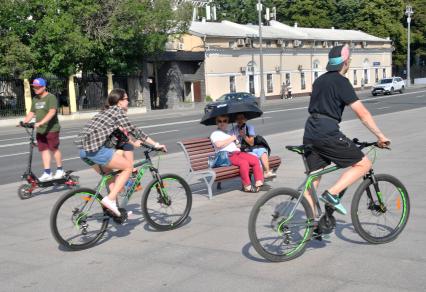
(44, 108)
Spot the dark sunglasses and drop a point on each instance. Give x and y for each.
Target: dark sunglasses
(222, 121)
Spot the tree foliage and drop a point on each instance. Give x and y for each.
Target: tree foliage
(65, 36)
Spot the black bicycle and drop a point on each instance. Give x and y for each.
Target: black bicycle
(78, 219)
(282, 222)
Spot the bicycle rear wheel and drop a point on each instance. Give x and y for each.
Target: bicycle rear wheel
(77, 220)
(166, 204)
(273, 234)
(380, 223)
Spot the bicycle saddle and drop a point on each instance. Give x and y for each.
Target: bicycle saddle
(301, 149)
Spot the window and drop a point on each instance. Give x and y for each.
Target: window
(232, 84)
(315, 75)
(269, 84)
(251, 84)
(302, 80)
(268, 44)
(365, 76)
(376, 75)
(232, 44)
(355, 78)
(287, 78)
(384, 72)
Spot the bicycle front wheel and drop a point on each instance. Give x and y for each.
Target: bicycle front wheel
(380, 222)
(279, 227)
(78, 220)
(166, 203)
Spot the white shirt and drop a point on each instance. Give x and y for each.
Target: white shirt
(219, 135)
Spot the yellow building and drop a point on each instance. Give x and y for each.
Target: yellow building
(294, 55)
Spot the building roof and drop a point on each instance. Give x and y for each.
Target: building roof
(278, 30)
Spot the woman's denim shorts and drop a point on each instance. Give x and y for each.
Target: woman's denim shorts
(259, 151)
(102, 156)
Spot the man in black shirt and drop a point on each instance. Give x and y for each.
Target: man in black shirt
(331, 93)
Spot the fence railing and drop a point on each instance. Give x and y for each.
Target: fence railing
(91, 92)
(12, 98)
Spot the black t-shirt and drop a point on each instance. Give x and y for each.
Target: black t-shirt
(331, 92)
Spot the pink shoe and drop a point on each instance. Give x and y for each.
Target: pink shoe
(111, 205)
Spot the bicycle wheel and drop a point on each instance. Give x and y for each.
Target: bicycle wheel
(380, 223)
(273, 234)
(167, 207)
(77, 220)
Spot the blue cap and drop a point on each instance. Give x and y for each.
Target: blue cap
(39, 82)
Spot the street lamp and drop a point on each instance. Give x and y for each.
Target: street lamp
(408, 12)
(262, 90)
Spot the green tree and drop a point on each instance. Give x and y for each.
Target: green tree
(62, 37)
(418, 32)
(15, 57)
(307, 13)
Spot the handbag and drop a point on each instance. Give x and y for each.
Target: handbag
(117, 139)
(219, 159)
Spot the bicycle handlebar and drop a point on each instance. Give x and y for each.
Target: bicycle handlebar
(151, 148)
(362, 145)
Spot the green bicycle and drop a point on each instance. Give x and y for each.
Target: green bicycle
(282, 222)
(78, 220)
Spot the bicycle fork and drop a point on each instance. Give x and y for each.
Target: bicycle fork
(164, 197)
(372, 205)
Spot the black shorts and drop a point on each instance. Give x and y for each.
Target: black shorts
(338, 149)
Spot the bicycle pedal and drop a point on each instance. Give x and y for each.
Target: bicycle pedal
(123, 218)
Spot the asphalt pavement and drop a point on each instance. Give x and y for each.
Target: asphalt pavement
(212, 251)
(171, 126)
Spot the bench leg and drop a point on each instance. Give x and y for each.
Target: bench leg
(209, 185)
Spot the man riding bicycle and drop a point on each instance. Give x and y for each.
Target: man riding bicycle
(331, 92)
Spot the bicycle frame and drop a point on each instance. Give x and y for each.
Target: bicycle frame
(143, 166)
(307, 185)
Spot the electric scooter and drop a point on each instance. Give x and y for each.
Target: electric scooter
(25, 191)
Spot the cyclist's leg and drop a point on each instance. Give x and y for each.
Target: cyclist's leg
(309, 196)
(119, 162)
(351, 175)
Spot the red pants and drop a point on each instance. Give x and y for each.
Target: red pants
(244, 161)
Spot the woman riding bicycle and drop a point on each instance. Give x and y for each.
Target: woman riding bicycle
(97, 132)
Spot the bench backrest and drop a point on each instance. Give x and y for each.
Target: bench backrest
(198, 150)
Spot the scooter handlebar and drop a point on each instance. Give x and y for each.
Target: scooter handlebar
(26, 125)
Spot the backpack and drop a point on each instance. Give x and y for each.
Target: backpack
(259, 141)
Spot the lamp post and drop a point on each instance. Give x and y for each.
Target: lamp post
(262, 89)
(408, 12)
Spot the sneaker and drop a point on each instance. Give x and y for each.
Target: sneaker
(45, 177)
(334, 201)
(111, 205)
(59, 174)
(269, 174)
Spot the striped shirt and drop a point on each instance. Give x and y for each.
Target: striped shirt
(100, 127)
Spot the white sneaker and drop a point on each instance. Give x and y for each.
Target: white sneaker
(269, 174)
(45, 177)
(111, 205)
(59, 174)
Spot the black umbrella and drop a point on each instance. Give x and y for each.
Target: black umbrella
(250, 111)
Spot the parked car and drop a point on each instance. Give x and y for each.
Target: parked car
(389, 86)
(232, 97)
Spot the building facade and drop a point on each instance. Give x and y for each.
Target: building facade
(226, 58)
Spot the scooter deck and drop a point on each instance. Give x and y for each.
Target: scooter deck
(53, 182)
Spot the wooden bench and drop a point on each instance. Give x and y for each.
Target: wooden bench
(198, 150)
